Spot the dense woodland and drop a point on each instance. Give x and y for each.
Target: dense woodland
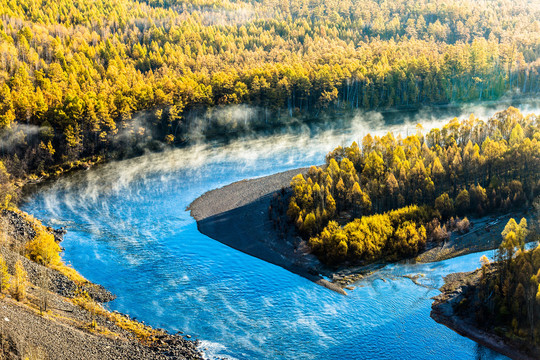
(386, 198)
(85, 78)
(507, 298)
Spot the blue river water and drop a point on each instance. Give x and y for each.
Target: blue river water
(129, 231)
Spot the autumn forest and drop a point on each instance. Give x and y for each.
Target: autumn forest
(392, 194)
(82, 79)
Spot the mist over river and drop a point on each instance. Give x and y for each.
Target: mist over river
(129, 231)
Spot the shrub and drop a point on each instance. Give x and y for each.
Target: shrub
(43, 248)
(4, 275)
(463, 225)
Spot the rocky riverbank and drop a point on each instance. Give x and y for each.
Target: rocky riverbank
(62, 315)
(447, 311)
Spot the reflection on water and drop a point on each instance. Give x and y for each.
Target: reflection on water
(128, 230)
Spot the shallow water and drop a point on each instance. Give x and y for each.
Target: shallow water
(128, 230)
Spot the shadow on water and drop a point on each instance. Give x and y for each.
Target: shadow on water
(484, 353)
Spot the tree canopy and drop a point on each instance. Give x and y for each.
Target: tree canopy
(467, 167)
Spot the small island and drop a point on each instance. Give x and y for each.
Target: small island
(423, 197)
(392, 198)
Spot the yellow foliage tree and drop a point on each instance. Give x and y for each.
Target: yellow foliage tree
(43, 248)
(4, 275)
(310, 223)
(19, 281)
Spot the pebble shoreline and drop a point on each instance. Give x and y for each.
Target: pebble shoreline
(62, 333)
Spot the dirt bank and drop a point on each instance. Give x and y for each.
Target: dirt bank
(484, 235)
(237, 216)
(63, 333)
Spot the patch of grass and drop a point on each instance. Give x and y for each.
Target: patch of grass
(143, 333)
(70, 272)
(43, 249)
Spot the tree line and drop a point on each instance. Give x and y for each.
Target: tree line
(467, 167)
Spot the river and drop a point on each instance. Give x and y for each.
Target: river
(128, 230)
